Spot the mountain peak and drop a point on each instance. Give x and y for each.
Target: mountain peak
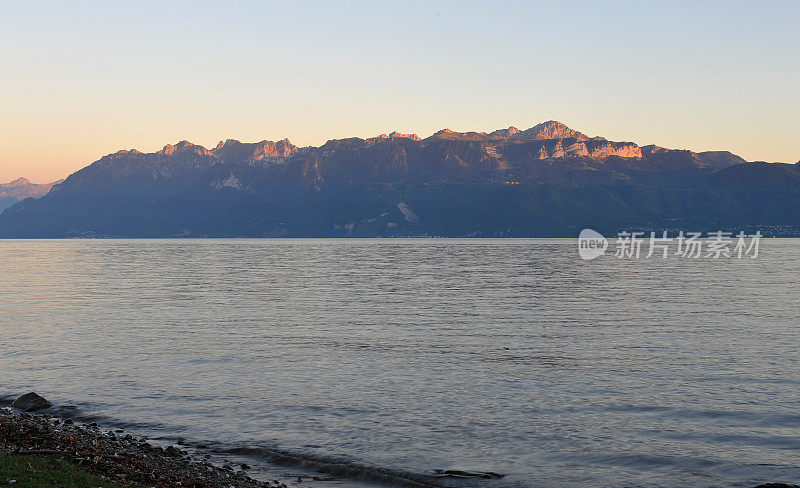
(551, 129)
(168, 149)
(18, 182)
(184, 145)
(226, 142)
(395, 135)
(510, 132)
(720, 159)
(20, 189)
(232, 150)
(268, 149)
(462, 136)
(23, 182)
(123, 152)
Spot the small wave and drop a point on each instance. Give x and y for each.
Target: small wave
(336, 467)
(457, 473)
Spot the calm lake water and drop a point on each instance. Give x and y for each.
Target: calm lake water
(509, 356)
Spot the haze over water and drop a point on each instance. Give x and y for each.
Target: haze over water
(510, 356)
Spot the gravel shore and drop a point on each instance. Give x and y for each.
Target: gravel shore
(113, 456)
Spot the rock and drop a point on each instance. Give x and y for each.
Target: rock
(30, 402)
(173, 451)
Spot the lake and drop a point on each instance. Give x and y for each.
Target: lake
(405, 358)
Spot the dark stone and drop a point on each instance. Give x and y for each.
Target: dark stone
(30, 402)
(245, 466)
(173, 451)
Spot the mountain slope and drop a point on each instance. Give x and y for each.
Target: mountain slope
(759, 174)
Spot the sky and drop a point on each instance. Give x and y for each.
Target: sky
(82, 79)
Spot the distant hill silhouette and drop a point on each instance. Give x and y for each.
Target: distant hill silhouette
(548, 180)
(20, 189)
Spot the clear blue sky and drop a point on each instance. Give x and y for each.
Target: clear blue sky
(83, 79)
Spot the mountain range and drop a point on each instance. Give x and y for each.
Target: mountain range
(548, 180)
(20, 189)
